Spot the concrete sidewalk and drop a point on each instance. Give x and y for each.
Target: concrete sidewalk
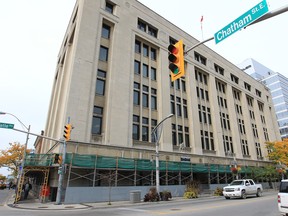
(35, 204)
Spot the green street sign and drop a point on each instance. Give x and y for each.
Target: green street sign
(241, 22)
(6, 125)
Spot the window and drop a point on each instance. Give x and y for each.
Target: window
(261, 106)
(228, 144)
(103, 53)
(200, 58)
(145, 50)
(109, 7)
(247, 86)
(153, 54)
(220, 86)
(145, 72)
(185, 112)
(153, 73)
(245, 150)
(219, 69)
(152, 31)
(141, 25)
(153, 125)
(172, 104)
(174, 136)
(100, 82)
(207, 140)
(137, 46)
(105, 31)
(136, 94)
(258, 93)
(136, 125)
(187, 139)
(97, 120)
(250, 101)
(234, 78)
(145, 129)
(183, 85)
(178, 105)
(201, 77)
(149, 29)
(145, 96)
(153, 99)
(136, 67)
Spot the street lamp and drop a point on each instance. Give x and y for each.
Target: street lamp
(25, 147)
(157, 136)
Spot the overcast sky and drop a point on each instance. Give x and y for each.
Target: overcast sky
(32, 32)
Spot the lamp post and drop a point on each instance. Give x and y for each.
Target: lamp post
(26, 143)
(157, 136)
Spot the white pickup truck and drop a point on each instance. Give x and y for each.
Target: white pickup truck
(283, 197)
(242, 188)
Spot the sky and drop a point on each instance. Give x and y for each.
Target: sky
(32, 32)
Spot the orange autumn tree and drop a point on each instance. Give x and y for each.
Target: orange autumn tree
(278, 151)
(12, 156)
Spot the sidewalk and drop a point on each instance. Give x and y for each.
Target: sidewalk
(35, 204)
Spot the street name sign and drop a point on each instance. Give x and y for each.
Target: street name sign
(6, 125)
(241, 22)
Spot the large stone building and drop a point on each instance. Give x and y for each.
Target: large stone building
(112, 83)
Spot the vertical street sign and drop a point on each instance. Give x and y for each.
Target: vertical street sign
(6, 125)
(247, 18)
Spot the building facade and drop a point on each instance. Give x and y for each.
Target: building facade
(277, 83)
(112, 83)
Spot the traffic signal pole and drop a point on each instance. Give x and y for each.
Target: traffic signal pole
(61, 172)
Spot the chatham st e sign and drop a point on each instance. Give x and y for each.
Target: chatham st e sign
(241, 22)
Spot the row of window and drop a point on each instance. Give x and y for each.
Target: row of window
(178, 106)
(145, 50)
(145, 130)
(145, 70)
(182, 139)
(145, 96)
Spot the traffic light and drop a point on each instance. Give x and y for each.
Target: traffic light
(67, 131)
(176, 58)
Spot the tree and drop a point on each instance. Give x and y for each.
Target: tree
(11, 157)
(278, 152)
(2, 178)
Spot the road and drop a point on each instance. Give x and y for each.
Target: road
(252, 206)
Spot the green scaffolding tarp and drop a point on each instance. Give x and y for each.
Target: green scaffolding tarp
(105, 162)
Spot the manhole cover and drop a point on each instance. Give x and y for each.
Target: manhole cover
(43, 207)
(175, 209)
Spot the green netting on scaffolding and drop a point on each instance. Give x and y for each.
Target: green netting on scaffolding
(106, 162)
(38, 160)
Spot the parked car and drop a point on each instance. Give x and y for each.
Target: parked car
(242, 188)
(283, 197)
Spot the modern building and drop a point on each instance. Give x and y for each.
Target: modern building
(112, 83)
(277, 83)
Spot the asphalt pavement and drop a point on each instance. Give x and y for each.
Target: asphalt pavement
(33, 203)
